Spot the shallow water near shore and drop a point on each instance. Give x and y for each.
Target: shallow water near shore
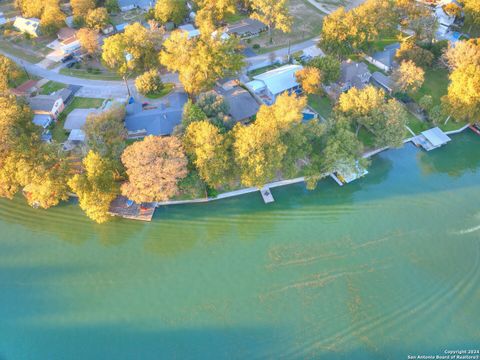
(379, 269)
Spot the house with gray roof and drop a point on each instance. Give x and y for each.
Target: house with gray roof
(46, 105)
(354, 74)
(159, 121)
(382, 81)
(126, 5)
(242, 105)
(386, 58)
(246, 28)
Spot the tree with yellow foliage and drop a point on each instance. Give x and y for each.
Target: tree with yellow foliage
(88, 39)
(273, 13)
(80, 9)
(310, 78)
(9, 74)
(97, 18)
(200, 62)
(408, 77)
(52, 18)
(96, 187)
(210, 151)
(211, 12)
(170, 10)
(154, 167)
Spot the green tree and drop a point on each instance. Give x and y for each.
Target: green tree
(329, 67)
(200, 62)
(210, 151)
(273, 13)
(409, 51)
(97, 19)
(171, 10)
(112, 6)
(389, 124)
(149, 83)
(96, 187)
(215, 108)
(106, 134)
(154, 167)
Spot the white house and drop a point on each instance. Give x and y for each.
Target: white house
(269, 85)
(46, 105)
(29, 26)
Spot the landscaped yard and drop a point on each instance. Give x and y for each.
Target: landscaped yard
(58, 132)
(435, 85)
(366, 138)
(321, 104)
(86, 74)
(307, 23)
(263, 69)
(51, 87)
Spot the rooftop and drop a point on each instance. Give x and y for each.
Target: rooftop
(42, 120)
(277, 80)
(241, 103)
(77, 118)
(246, 27)
(387, 56)
(42, 102)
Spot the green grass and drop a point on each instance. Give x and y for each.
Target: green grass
(167, 89)
(321, 104)
(435, 85)
(58, 132)
(385, 40)
(366, 138)
(262, 70)
(233, 18)
(416, 125)
(452, 125)
(9, 48)
(51, 87)
(82, 73)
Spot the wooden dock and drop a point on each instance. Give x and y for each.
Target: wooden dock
(267, 195)
(122, 207)
(337, 180)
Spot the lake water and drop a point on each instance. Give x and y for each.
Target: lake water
(379, 269)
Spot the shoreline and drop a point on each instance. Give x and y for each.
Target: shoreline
(279, 183)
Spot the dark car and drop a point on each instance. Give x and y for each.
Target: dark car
(67, 58)
(72, 63)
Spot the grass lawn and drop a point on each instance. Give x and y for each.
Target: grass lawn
(51, 87)
(58, 133)
(167, 89)
(233, 18)
(386, 39)
(263, 69)
(15, 51)
(366, 138)
(435, 85)
(83, 73)
(307, 24)
(321, 104)
(416, 125)
(452, 125)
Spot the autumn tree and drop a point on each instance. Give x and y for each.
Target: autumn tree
(273, 13)
(9, 74)
(96, 187)
(310, 79)
(88, 39)
(329, 67)
(131, 51)
(359, 104)
(97, 18)
(52, 18)
(210, 151)
(154, 167)
(472, 11)
(200, 62)
(30, 8)
(215, 108)
(463, 97)
(106, 133)
(260, 148)
(80, 8)
(211, 12)
(171, 10)
(409, 51)
(389, 124)
(149, 83)
(337, 33)
(408, 77)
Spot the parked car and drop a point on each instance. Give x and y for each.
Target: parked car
(72, 63)
(67, 58)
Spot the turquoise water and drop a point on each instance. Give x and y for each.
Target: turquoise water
(379, 269)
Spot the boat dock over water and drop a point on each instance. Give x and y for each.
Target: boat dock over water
(431, 139)
(267, 195)
(128, 209)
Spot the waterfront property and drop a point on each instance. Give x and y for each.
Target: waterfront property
(431, 139)
(269, 85)
(242, 105)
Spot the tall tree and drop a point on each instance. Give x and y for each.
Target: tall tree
(30, 8)
(273, 13)
(171, 10)
(96, 187)
(97, 18)
(389, 124)
(409, 51)
(88, 39)
(52, 18)
(154, 167)
(310, 78)
(408, 77)
(472, 10)
(211, 12)
(210, 151)
(149, 82)
(200, 62)
(129, 52)
(80, 8)
(329, 66)
(106, 133)
(9, 74)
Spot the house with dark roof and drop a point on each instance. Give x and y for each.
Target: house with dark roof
(386, 59)
(246, 28)
(46, 105)
(126, 5)
(382, 81)
(159, 121)
(242, 105)
(354, 74)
